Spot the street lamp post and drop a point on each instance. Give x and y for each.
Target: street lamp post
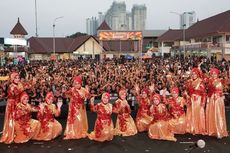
(36, 19)
(54, 45)
(184, 27)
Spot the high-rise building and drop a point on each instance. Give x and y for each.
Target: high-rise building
(116, 16)
(187, 19)
(91, 26)
(129, 21)
(139, 17)
(101, 18)
(119, 19)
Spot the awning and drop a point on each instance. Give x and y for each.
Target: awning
(153, 49)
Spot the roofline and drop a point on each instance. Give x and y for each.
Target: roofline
(90, 36)
(121, 31)
(205, 35)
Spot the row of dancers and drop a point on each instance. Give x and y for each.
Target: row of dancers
(162, 117)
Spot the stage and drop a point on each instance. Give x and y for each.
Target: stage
(139, 143)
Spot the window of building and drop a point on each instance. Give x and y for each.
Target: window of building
(228, 38)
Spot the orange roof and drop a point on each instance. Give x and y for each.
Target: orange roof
(18, 29)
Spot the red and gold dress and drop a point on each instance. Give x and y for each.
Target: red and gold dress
(215, 109)
(176, 108)
(50, 128)
(143, 118)
(25, 128)
(195, 115)
(159, 128)
(125, 125)
(14, 91)
(103, 129)
(77, 123)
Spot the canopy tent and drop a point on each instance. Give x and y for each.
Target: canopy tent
(146, 56)
(153, 49)
(128, 56)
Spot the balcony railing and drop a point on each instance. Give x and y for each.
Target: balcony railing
(203, 45)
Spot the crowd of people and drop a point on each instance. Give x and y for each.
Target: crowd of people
(175, 96)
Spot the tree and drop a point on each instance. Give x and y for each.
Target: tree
(77, 34)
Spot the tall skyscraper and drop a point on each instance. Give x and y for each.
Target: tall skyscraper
(116, 16)
(129, 21)
(139, 17)
(187, 19)
(101, 18)
(119, 19)
(91, 26)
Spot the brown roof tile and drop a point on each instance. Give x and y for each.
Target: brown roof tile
(18, 29)
(62, 45)
(45, 45)
(171, 35)
(216, 24)
(78, 42)
(104, 26)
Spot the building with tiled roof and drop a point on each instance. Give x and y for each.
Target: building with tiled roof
(169, 39)
(16, 46)
(103, 26)
(65, 48)
(171, 35)
(213, 26)
(208, 37)
(18, 31)
(149, 39)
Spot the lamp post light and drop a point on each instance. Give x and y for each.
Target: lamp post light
(36, 19)
(184, 27)
(54, 45)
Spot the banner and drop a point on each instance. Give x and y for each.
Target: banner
(108, 35)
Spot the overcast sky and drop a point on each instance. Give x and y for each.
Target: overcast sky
(75, 13)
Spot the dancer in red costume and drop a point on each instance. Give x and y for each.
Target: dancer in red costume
(77, 123)
(25, 128)
(16, 88)
(125, 125)
(215, 109)
(143, 118)
(176, 109)
(103, 129)
(159, 128)
(50, 128)
(196, 99)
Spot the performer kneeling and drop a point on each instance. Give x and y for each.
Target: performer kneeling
(159, 128)
(143, 118)
(25, 127)
(50, 128)
(176, 109)
(103, 129)
(125, 125)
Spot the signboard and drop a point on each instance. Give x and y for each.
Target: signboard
(15, 41)
(120, 35)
